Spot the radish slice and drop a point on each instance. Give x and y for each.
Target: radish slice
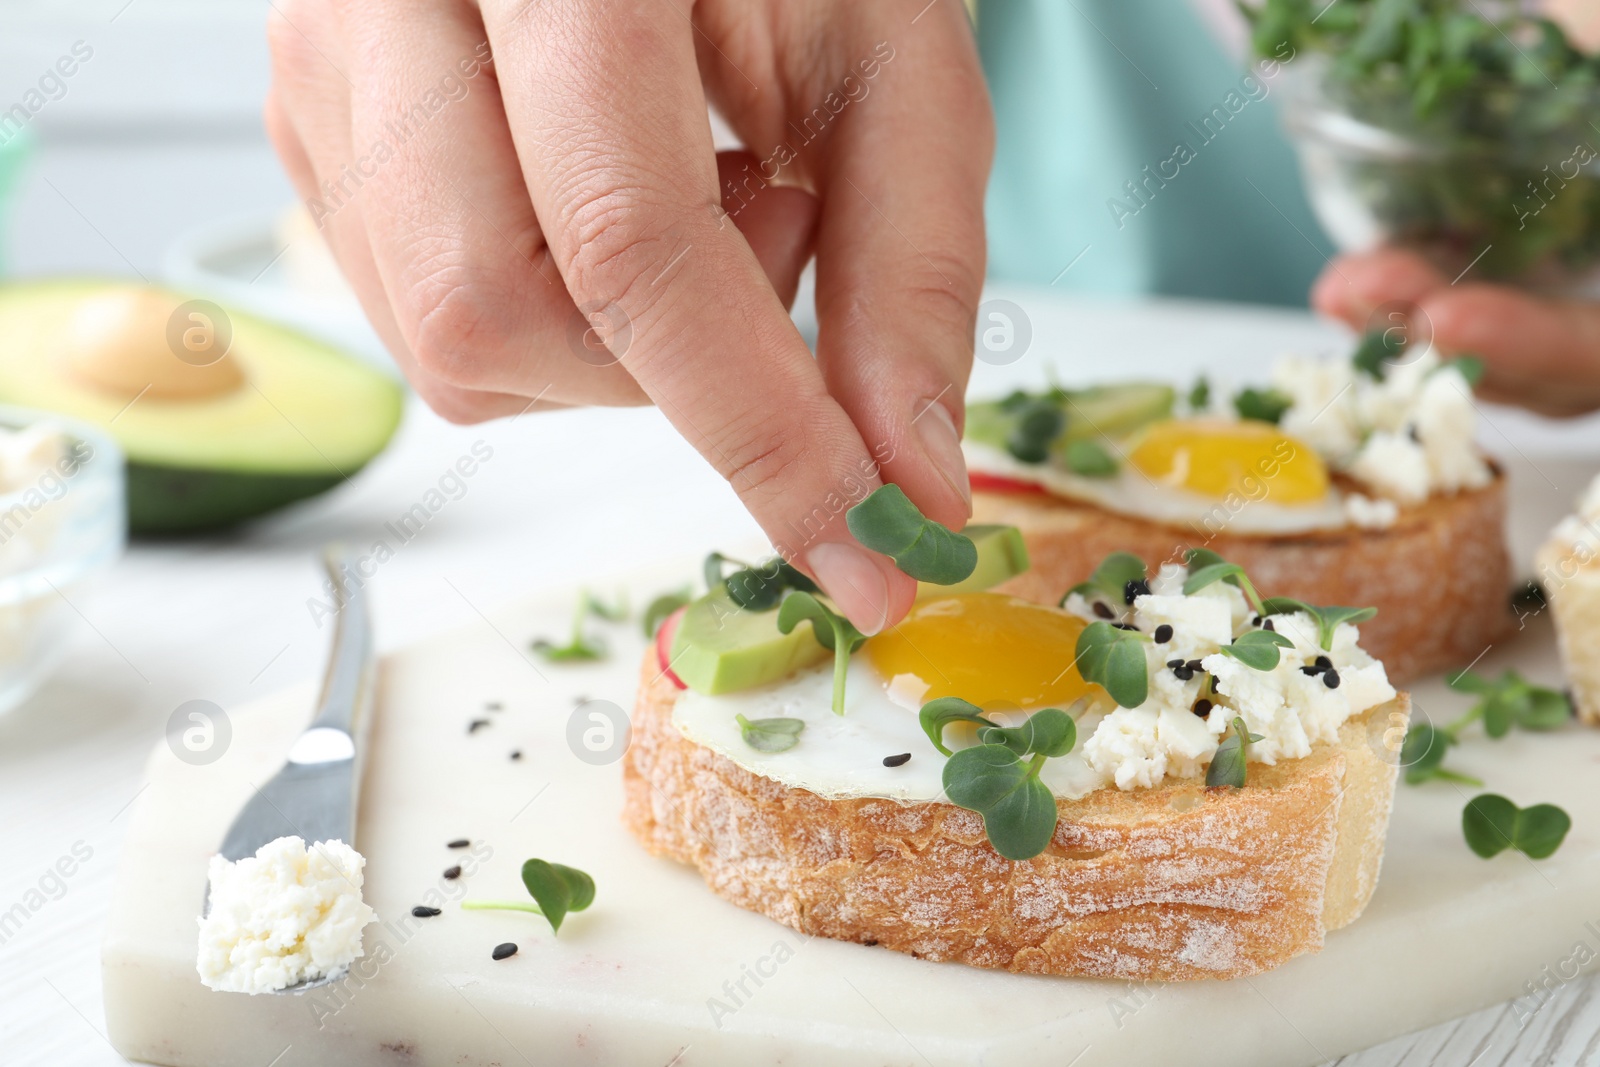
(664, 635)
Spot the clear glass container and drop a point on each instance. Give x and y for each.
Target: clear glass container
(60, 527)
(1501, 179)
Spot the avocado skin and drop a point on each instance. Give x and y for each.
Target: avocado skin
(164, 500)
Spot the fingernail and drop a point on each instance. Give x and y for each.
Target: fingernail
(852, 579)
(943, 447)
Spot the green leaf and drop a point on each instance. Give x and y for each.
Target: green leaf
(615, 612)
(662, 607)
(888, 522)
(1423, 751)
(941, 712)
(1547, 709)
(1112, 578)
(1222, 571)
(1327, 619)
(760, 588)
(1198, 558)
(1471, 368)
(1263, 405)
(1200, 394)
(1037, 423)
(712, 568)
(1541, 829)
(557, 888)
(1465, 681)
(1230, 765)
(1489, 823)
(1089, 459)
(832, 631)
(1114, 659)
(770, 735)
(1048, 732)
(1377, 348)
(1258, 648)
(1019, 812)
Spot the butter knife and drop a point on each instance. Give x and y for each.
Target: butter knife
(314, 796)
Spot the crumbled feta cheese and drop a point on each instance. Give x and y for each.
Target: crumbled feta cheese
(286, 915)
(1316, 416)
(1446, 420)
(1195, 620)
(1394, 466)
(1369, 513)
(1079, 605)
(1169, 579)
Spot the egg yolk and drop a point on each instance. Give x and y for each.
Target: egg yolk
(1253, 459)
(985, 648)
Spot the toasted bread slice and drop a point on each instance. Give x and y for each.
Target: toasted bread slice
(1439, 576)
(1572, 589)
(1176, 882)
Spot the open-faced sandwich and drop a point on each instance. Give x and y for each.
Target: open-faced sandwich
(1185, 782)
(1568, 566)
(1346, 481)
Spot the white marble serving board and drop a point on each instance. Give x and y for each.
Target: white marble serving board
(661, 972)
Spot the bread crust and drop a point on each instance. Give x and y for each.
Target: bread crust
(1439, 576)
(1177, 882)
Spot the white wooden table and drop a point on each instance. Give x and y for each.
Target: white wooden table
(569, 494)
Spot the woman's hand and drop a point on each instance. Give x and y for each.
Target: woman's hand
(490, 211)
(1542, 354)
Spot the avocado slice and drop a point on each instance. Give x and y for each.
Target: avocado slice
(275, 418)
(1113, 411)
(1001, 555)
(723, 648)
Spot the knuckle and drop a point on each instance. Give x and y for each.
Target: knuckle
(613, 249)
(458, 327)
(762, 458)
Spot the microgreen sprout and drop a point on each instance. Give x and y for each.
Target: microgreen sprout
(1507, 701)
(662, 607)
(888, 522)
(832, 631)
(1491, 824)
(1263, 405)
(556, 889)
(999, 777)
(580, 647)
(1229, 765)
(770, 735)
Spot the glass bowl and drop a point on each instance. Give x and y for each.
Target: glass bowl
(58, 531)
(1501, 179)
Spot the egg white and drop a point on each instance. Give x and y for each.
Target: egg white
(841, 756)
(1133, 493)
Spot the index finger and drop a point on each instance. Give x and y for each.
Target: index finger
(611, 128)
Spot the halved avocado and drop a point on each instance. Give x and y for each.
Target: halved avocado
(264, 417)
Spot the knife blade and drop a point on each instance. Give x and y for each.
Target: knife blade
(314, 796)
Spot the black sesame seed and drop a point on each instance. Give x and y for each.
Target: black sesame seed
(1174, 663)
(476, 724)
(1324, 662)
(516, 753)
(503, 951)
(897, 761)
(1183, 673)
(1136, 588)
(1193, 665)
(1268, 626)
(1330, 678)
(493, 705)
(422, 911)
(1202, 707)
(1126, 626)
(459, 842)
(1163, 634)
(1411, 432)
(1102, 609)
(1312, 669)
(452, 873)
(1256, 621)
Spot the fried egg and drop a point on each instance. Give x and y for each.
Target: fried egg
(1008, 656)
(1205, 474)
